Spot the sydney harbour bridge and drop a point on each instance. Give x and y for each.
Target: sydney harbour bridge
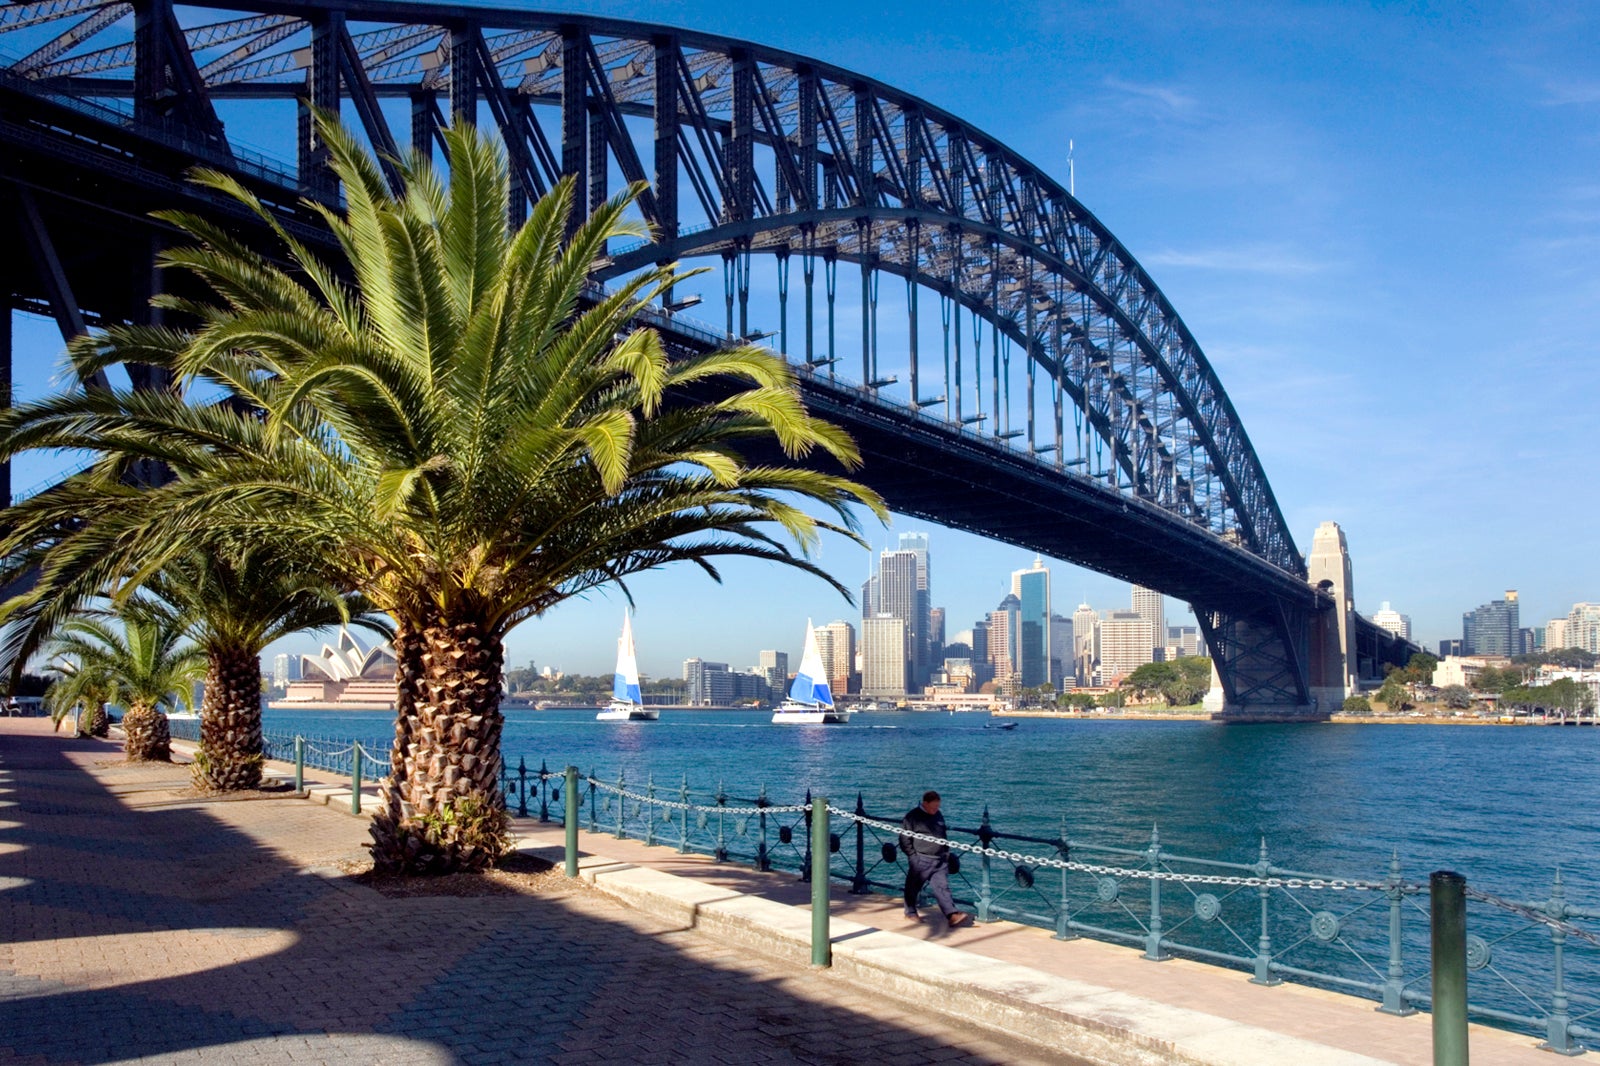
(1033, 384)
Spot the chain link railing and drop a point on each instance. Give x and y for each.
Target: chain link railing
(1368, 936)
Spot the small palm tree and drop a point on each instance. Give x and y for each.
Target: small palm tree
(233, 601)
(142, 664)
(75, 689)
(465, 432)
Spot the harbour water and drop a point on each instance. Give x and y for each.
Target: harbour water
(1504, 806)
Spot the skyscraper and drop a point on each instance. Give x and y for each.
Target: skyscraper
(1085, 642)
(1147, 604)
(1388, 618)
(774, 667)
(1031, 644)
(869, 597)
(1002, 642)
(1062, 669)
(1495, 628)
(1126, 642)
(923, 653)
(899, 597)
(884, 656)
(935, 637)
(837, 643)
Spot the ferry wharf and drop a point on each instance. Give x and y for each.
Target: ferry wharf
(140, 922)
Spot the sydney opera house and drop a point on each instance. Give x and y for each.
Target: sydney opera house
(343, 677)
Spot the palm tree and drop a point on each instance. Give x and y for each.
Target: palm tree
(233, 602)
(466, 432)
(72, 688)
(142, 664)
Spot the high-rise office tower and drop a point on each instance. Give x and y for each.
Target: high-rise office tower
(1085, 642)
(1494, 628)
(885, 653)
(1004, 621)
(837, 643)
(935, 637)
(1388, 618)
(1582, 630)
(982, 664)
(1147, 604)
(922, 625)
(899, 597)
(1031, 587)
(1126, 642)
(869, 597)
(774, 667)
(1062, 670)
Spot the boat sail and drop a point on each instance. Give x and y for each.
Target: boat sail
(810, 700)
(626, 703)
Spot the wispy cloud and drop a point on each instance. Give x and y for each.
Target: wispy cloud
(1152, 97)
(1252, 259)
(1561, 92)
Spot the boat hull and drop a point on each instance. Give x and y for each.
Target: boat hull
(810, 716)
(628, 714)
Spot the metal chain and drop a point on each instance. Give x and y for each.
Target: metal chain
(1120, 872)
(678, 805)
(1533, 914)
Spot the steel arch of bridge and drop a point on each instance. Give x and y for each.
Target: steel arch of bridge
(748, 152)
(775, 153)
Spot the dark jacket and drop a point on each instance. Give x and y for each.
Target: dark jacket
(918, 820)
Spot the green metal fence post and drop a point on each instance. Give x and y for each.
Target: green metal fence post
(355, 777)
(722, 831)
(1394, 984)
(594, 808)
(571, 820)
(1264, 974)
(544, 791)
(683, 824)
(522, 787)
(762, 860)
(1063, 908)
(1152, 940)
(1448, 915)
(805, 867)
(650, 811)
(622, 806)
(1558, 1035)
(300, 764)
(859, 885)
(985, 891)
(821, 944)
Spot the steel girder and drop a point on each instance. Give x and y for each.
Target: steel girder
(783, 155)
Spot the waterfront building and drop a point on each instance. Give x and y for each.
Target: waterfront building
(1002, 641)
(773, 667)
(1085, 643)
(1582, 630)
(1465, 669)
(837, 643)
(1149, 605)
(1495, 628)
(1388, 618)
(1126, 643)
(885, 656)
(343, 676)
(1031, 642)
(900, 597)
(1555, 633)
(706, 684)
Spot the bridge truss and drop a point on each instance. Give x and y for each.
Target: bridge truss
(1053, 351)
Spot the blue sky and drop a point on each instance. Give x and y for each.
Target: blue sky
(1381, 222)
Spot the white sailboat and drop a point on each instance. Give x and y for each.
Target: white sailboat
(810, 700)
(626, 703)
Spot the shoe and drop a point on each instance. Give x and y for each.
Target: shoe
(958, 919)
(913, 916)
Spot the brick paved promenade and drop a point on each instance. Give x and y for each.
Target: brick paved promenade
(138, 923)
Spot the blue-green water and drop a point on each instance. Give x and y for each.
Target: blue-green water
(1506, 806)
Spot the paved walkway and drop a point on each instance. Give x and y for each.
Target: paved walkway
(139, 923)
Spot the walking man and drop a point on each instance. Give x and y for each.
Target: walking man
(929, 863)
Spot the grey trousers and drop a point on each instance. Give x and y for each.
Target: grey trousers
(932, 871)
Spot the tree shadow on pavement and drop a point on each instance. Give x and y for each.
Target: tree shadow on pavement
(136, 923)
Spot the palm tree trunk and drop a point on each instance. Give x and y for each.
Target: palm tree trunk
(443, 810)
(93, 721)
(148, 737)
(229, 758)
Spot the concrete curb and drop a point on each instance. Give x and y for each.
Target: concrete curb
(1102, 1025)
